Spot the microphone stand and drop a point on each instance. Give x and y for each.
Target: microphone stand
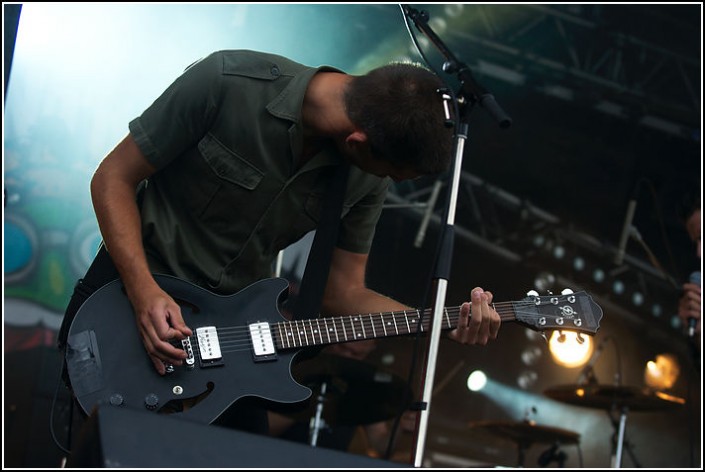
(470, 93)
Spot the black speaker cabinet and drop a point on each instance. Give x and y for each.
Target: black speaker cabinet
(116, 437)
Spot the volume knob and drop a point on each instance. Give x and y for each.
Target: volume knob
(151, 401)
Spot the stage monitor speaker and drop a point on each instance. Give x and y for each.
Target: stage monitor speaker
(116, 437)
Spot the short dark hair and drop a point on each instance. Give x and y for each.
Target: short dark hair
(400, 109)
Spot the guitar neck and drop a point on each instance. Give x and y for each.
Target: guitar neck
(323, 331)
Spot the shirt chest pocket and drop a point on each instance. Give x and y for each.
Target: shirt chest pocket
(227, 165)
(233, 180)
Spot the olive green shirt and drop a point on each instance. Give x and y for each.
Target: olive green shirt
(227, 196)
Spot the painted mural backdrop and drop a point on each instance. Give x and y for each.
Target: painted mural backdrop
(80, 73)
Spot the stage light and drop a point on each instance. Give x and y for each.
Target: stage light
(675, 322)
(539, 240)
(662, 372)
(598, 275)
(570, 349)
(578, 263)
(558, 251)
(544, 281)
(476, 381)
(656, 310)
(530, 355)
(527, 379)
(637, 299)
(618, 287)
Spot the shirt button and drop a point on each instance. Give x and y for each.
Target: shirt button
(274, 71)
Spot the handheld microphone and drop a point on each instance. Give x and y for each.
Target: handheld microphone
(693, 279)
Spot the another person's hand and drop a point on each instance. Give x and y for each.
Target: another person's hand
(478, 322)
(689, 305)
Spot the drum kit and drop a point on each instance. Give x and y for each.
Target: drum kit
(610, 398)
(343, 389)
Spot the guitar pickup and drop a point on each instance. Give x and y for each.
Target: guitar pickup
(209, 346)
(262, 342)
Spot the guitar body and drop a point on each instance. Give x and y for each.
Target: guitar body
(107, 362)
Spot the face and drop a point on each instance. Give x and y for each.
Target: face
(694, 230)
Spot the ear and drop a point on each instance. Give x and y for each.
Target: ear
(356, 139)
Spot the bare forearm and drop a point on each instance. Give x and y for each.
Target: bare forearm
(113, 191)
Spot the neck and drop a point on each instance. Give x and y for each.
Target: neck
(323, 111)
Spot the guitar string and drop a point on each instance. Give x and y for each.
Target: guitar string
(238, 338)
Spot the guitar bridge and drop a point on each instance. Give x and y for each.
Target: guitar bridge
(262, 342)
(209, 346)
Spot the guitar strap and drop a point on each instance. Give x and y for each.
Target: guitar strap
(308, 301)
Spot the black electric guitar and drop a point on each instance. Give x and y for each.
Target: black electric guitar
(242, 345)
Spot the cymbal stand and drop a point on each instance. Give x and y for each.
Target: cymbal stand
(317, 422)
(618, 446)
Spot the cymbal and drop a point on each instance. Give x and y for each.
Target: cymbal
(527, 432)
(608, 396)
(356, 392)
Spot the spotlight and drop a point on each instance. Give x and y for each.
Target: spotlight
(568, 349)
(476, 381)
(662, 372)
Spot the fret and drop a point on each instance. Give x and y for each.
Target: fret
(445, 310)
(298, 332)
(383, 325)
(372, 322)
(281, 336)
(345, 332)
(406, 318)
(362, 325)
(395, 322)
(303, 329)
(325, 322)
(314, 331)
(335, 328)
(414, 322)
(352, 327)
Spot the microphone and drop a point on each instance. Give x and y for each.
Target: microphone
(693, 279)
(587, 375)
(626, 231)
(430, 205)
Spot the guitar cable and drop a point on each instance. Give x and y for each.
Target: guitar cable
(52, 412)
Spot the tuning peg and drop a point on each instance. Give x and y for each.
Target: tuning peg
(543, 335)
(532, 293)
(579, 337)
(566, 291)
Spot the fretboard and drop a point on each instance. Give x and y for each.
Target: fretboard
(321, 331)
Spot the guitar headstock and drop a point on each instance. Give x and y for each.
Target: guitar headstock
(568, 311)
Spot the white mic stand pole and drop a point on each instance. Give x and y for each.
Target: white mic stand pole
(471, 92)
